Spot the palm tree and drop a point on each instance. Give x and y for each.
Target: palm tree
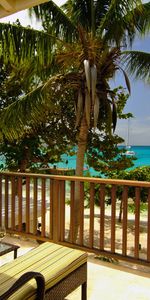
(82, 46)
(100, 29)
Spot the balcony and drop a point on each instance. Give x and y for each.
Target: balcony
(41, 207)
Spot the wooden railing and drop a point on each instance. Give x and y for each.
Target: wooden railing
(43, 207)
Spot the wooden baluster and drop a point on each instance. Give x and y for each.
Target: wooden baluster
(124, 220)
(35, 208)
(137, 221)
(13, 193)
(148, 227)
(81, 213)
(43, 208)
(72, 215)
(62, 210)
(102, 215)
(27, 204)
(92, 193)
(48, 212)
(20, 204)
(6, 201)
(51, 208)
(113, 218)
(55, 214)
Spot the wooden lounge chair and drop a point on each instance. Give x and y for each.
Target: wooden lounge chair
(64, 269)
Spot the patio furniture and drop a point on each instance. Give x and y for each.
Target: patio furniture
(64, 269)
(6, 248)
(24, 279)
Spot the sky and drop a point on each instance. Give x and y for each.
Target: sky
(139, 101)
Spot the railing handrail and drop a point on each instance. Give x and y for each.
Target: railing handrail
(82, 179)
(30, 201)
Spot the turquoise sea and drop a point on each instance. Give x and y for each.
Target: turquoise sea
(142, 154)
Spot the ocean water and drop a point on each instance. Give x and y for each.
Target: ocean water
(142, 154)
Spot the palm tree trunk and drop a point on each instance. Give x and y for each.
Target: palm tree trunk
(82, 144)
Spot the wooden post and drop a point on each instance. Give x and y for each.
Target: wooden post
(56, 211)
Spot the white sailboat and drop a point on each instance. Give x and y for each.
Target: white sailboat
(128, 147)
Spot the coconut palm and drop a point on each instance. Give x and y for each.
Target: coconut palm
(91, 35)
(82, 46)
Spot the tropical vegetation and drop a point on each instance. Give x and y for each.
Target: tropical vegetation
(82, 46)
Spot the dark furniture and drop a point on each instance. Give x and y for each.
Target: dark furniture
(6, 248)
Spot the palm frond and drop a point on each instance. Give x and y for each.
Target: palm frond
(137, 63)
(19, 43)
(21, 113)
(122, 20)
(31, 109)
(114, 115)
(54, 20)
(142, 20)
(126, 80)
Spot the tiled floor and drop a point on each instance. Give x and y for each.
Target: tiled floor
(105, 280)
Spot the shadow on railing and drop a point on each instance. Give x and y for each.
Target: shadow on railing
(43, 207)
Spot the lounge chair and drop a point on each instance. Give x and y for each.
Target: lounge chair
(40, 292)
(64, 269)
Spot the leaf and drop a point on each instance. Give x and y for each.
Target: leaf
(87, 107)
(114, 115)
(126, 80)
(93, 81)
(87, 73)
(96, 111)
(137, 63)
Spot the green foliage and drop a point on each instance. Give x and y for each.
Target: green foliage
(137, 174)
(41, 144)
(143, 207)
(93, 33)
(104, 155)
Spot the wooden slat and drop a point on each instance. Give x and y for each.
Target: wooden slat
(51, 208)
(92, 193)
(81, 213)
(102, 215)
(35, 205)
(27, 204)
(55, 214)
(72, 215)
(48, 206)
(124, 220)
(137, 222)
(19, 203)
(43, 210)
(148, 227)
(1, 200)
(6, 202)
(62, 210)
(113, 217)
(13, 193)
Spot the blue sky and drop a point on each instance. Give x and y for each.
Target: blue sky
(139, 101)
